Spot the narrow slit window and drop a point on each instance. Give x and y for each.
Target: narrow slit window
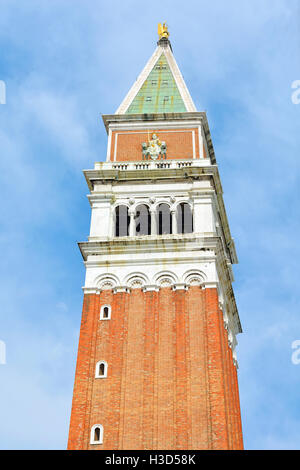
(105, 312)
(97, 434)
(101, 370)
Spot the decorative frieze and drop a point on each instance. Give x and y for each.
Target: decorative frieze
(165, 282)
(136, 283)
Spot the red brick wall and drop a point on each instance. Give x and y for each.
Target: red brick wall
(171, 381)
(127, 145)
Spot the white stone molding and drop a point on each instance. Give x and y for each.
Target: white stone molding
(203, 212)
(194, 278)
(180, 286)
(142, 202)
(235, 361)
(90, 290)
(107, 281)
(108, 152)
(112, 222)
(201, 142)
(230, 338)
(122, 202)
(151, 288)
(183, 200)
(162, 200)
(118, 289)
(210, 285)
(139, 280)
(194, 145)
(224, 311)
(106, 169)
(165, 279)
(186, 122)
(100, 217)
(136, 280)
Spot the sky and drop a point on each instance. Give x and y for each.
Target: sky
(66, 62)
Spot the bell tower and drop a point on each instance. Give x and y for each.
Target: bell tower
(156, 365)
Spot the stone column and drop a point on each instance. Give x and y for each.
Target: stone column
(174, 222)
(112, 223)
(153, 222)
(131, 224)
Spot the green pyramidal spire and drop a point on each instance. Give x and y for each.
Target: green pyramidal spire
(160, 88)
(159, 93)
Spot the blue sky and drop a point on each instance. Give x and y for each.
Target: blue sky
(64, 62)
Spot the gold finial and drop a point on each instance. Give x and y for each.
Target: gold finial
(163, 30)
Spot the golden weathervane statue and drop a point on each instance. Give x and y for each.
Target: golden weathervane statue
(163, 30)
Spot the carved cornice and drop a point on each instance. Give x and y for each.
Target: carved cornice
(155, 243)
